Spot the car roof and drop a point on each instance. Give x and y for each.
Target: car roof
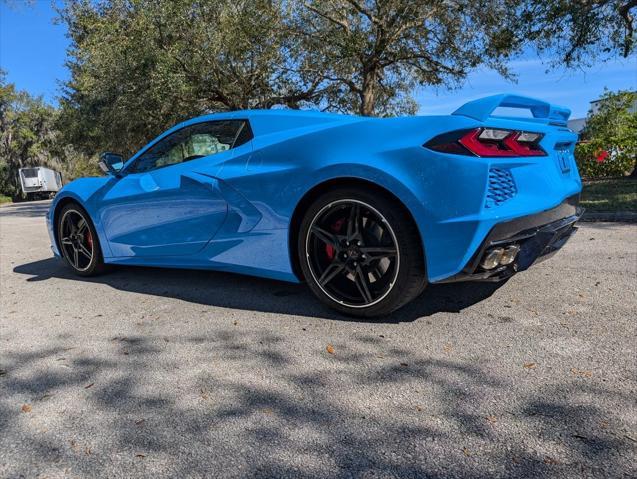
(274, 113)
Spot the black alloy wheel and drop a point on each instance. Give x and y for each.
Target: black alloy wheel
(78, 241)
(358, 253)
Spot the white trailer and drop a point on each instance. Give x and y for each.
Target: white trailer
(39, 181)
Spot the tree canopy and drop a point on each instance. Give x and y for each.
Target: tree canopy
(139, 66)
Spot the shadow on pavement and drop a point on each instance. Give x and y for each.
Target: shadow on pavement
(299, 422)
(255, 294)
(32, 209)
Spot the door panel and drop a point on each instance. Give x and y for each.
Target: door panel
(170, 211)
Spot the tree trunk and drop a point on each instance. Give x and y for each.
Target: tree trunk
(368, 93)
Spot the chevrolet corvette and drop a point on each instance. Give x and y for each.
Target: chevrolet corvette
(366, 211)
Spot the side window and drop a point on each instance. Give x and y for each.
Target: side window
(192, 142)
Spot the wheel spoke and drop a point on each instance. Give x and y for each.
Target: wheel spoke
(378, 252)
(326, 237)
(376, 273)
(353, 221)
(72, 227)
(82, 249)
(360, 278)
(333, 270)
(81, 226)
(76, 258)
(67, 240)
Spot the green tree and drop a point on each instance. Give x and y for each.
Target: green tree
(139, 66)
(608, 143)
(578, 33)
(374, 53)
(26, 135)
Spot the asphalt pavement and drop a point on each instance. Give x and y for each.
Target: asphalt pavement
(171, 373)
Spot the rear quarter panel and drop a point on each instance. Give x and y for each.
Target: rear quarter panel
(284, 166)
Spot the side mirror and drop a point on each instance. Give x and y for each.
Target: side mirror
(111, 163)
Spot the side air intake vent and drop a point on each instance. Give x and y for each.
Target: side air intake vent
(501, 187)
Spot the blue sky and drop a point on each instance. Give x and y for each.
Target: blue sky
(33, 49)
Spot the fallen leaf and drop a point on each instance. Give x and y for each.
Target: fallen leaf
(529, 365)
(579, 436)
(603, 424)
(3, 372)
(235, 322)
(466, 452)
(88, 451)
(268, 411)
(89, 386)
(381, 335)
(491, 419)
(418, 408)
(447, 348)
(26, 408)
(404, 365)
(141, 456)
(330, 349)
(140, 422)
(582, 373)
(550, 460)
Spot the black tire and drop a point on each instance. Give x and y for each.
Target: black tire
(75, 245)
(338, 267)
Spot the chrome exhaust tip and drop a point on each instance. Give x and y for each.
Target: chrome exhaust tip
(500, 256)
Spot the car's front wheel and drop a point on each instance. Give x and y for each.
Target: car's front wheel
(78, 241)
(360, 252)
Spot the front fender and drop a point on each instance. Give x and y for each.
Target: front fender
(82, 191)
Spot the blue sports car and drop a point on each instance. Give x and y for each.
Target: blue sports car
(367, 211)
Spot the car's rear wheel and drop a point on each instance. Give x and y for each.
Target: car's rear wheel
(360, 252)
(78, 241)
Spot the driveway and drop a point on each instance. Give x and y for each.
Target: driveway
(156, 373)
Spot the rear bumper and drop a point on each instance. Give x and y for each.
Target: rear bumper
(539, 236)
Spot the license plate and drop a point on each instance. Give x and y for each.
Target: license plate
(564, 159)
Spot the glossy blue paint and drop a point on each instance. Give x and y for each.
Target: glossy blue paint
(231, 211)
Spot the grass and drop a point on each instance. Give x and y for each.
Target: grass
(4, 199)
(610, 195)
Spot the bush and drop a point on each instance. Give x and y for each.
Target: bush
(594, 161)
(608, 144)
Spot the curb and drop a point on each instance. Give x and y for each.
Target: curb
(610, 216)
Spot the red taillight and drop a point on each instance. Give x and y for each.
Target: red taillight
(489, 142)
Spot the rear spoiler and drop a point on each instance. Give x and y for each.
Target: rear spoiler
(542, 111)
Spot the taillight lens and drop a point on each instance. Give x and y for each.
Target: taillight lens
(488, 142)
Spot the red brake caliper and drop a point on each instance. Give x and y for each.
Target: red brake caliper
(89, 239)
(335, 227)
